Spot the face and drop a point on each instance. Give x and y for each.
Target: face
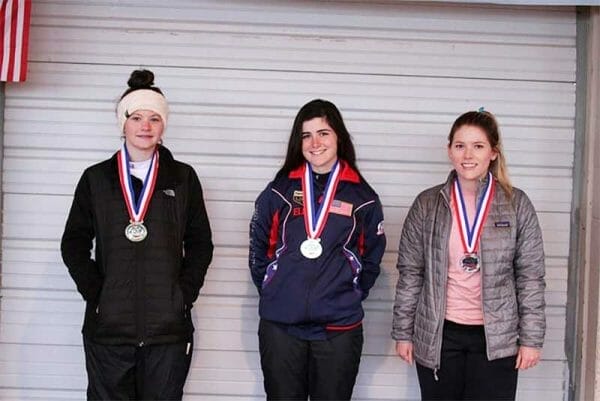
(319, 144)
(471, 153)
(143, 130)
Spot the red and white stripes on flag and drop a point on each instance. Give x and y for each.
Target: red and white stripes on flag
(14, 39)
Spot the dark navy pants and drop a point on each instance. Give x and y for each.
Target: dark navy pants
(465, 372)
(295, 369)
(127, 372)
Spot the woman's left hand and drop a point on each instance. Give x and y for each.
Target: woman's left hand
(528, 357)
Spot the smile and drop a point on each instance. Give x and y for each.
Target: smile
(317, 152)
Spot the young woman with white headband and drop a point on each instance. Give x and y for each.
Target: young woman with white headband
(142, 215)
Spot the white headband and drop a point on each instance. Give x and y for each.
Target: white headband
(142, 99)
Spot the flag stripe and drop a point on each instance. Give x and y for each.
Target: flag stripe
(18, 40)
(12, 20)
(14, 31)
(6, 13)
(24, 40)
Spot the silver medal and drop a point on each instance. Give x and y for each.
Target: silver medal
(311, 248)
(136, 232)
(471, 234)
(470, 262)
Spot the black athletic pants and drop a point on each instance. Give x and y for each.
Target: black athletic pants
(465, 372)
(127, 372)
(295, 369)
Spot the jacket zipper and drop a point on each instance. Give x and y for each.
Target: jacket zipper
(485, 334)
(308, 295)
(440, 327)
(316, 276)
(139, 299)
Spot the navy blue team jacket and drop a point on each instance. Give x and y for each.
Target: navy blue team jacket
(325, 292)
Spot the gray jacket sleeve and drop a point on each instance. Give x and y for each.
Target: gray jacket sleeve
(529, 265)
(411, 266)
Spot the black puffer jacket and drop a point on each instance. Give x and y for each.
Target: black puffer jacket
(138, 293)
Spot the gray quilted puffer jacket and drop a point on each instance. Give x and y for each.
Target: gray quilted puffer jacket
(512, 266)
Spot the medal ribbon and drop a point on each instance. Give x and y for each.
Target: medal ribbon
(315, 220)
(136, 208)
(470, 234)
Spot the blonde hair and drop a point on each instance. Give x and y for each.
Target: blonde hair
(487, 122)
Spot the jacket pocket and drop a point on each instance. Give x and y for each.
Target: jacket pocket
(98, 299)
(177, 300)
(269, 274)
(505, 300)
(113, 310)
(355, 268)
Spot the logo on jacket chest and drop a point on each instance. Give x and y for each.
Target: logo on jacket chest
(298, 197)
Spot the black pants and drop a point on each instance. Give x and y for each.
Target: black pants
(295, 369)
(127, 372)
(465, 372)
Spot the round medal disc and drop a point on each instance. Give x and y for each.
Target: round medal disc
(311, 248)
(470, 262)
(136, 232)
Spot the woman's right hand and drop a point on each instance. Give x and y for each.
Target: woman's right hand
(404, 349)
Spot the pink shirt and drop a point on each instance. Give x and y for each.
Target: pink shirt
(463, 296)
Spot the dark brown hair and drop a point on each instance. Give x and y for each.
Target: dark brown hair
(141, 79)
(328, 111)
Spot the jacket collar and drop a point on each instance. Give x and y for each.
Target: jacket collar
(347, 173)
(447, 187)
(166, 178)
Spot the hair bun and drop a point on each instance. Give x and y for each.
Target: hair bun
(141, 79)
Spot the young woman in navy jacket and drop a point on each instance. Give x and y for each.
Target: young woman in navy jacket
(316, 243)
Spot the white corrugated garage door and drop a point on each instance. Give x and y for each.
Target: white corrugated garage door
(235, 73)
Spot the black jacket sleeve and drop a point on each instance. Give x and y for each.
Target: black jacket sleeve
(77, 243)
(197, 243)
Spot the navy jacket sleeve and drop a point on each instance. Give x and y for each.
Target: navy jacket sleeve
(261, 226)
(197, 242)
(374, 246)
(77, 243)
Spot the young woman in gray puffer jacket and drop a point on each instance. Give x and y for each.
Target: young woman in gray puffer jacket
(469, 305)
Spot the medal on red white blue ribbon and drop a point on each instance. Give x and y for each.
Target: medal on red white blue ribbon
(136, 231)
(470, 234)
(315, 220)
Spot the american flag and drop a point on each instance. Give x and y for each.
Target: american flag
(339, 207)
(14, 38)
